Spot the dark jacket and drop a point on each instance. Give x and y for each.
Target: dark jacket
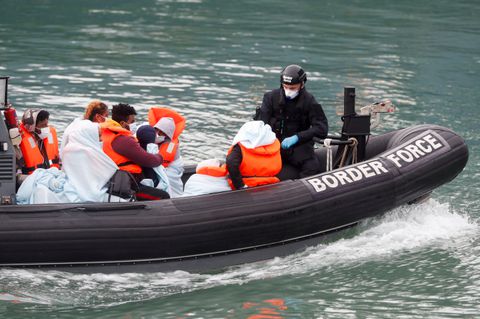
(302, 116)
(131, 149)
(233, 161)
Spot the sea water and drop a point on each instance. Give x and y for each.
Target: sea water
(212, 61)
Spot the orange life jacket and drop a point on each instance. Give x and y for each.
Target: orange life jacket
(110, 131)
(31, 152)
(215, 171)
(260, 164)
(169, 149)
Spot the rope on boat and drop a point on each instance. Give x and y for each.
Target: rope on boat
(351, 147)
(327, 143)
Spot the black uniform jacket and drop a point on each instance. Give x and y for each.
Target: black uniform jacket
(303, 116)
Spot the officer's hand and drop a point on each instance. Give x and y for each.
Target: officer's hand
(289, 142)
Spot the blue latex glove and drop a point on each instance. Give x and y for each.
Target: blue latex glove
(289, 142)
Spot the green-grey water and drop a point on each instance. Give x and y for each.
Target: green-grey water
(212, 60)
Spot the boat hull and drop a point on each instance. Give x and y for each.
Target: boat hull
(208, 232)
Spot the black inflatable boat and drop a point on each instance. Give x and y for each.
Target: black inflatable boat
(212, 231)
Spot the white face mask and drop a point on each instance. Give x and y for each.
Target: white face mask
(105, 118)
(291, 94)
(44, 132)
(159, 139)
(133, 127)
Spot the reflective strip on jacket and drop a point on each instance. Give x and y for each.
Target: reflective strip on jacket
(168, 150)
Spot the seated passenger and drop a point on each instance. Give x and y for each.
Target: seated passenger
(39, 145)
(126, 152)
(85, 172)
(169, 125)
(96, 112)
(253, 159)
(87, 167)
(157, 176)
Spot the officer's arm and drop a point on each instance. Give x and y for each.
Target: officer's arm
(266, 109)
(318, 123)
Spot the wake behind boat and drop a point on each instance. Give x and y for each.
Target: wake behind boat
(211, 231)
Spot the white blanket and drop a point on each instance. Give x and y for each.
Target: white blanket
(199, 184)
(163, 182)
(254, 134)
(85, 172)
(174, 172)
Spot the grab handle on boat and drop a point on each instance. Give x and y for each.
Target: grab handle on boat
(102, 208)
(333, 141)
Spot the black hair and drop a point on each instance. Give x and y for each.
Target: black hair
(121, 112)
(42, 116)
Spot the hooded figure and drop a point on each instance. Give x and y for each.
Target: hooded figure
(254, 145)
(167, 126)
(170, 151)
(29, 119)
(85, 172)
(87, 167)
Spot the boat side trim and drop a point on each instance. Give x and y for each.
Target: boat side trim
(179, 258)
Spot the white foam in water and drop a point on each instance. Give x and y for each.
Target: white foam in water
(407, 228)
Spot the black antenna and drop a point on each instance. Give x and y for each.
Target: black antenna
(354, 126)
(348, 101)
(3, 91)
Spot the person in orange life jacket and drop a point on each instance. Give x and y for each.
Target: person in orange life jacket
(126, 152)
(168, 145)
(254, 158)
(39, 143)
(165, 128)
(295, 117)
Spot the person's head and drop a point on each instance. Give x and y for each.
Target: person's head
(87, 133)
(124, 114)
(146, 135)
(96, 111)
(292, 79)
(165, 128)
(41, 126)
(36, 121)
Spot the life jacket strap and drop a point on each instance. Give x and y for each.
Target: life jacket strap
(28, 170)
(125, 163)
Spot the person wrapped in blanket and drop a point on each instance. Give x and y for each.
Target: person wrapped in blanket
(169, 126)
(86, 171)
(253, 159)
